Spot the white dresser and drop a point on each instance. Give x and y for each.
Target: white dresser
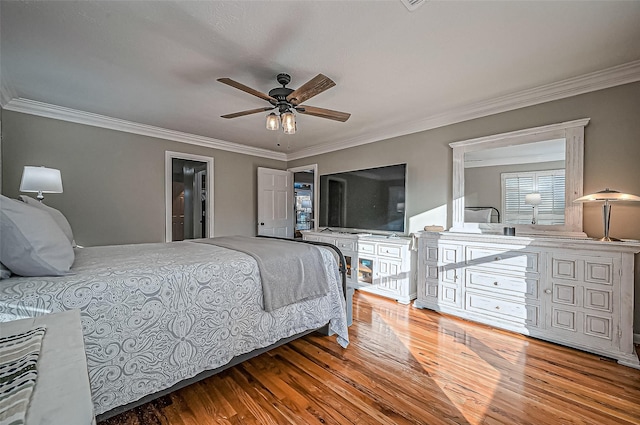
(376, 264)
(575, 292)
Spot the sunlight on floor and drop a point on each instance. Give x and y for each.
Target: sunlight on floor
(468, 393)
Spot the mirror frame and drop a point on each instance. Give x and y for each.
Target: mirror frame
(572, 132)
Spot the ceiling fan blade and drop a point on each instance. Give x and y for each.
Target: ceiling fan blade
(313, 87)
(243, 113)
(246, 89)
(324, 113)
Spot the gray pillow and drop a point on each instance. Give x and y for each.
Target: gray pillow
(477, 216)
(59, 218)
(5, 273)
(32, 244)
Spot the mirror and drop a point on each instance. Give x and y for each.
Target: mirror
(519, 184)
(526, 179)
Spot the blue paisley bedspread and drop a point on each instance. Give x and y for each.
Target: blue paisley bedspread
(156, 314)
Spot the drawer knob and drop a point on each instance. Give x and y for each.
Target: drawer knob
(497, 307)
(495, 283)
(498, 259)
(547, 291)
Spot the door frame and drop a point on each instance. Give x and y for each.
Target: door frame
(316, 190)
(168, 180)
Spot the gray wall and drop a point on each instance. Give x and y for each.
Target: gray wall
(612, 154)
(114, 181)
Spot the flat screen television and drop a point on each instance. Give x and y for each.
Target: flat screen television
(371, 200)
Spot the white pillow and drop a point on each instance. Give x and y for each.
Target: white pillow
(32, 244)
(59, 218)
(477, 216)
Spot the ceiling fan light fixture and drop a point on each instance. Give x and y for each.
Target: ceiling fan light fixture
(288, 122)
(285, 100)
(273, 121)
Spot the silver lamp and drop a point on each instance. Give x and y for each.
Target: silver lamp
(41, 180)
(608, 196)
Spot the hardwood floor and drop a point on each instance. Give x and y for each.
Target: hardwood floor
(407, 366)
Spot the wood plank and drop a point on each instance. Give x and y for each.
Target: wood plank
(290, 404)
(408, 366)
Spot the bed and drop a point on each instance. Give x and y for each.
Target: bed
(155, 316)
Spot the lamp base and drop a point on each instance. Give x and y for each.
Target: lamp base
(608, 239)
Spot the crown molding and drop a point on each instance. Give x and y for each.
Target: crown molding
(47, 110)
(599, 80)
(6, 92)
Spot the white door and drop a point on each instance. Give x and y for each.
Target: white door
(275, 203)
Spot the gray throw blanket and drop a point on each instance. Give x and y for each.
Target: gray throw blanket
(289, 271)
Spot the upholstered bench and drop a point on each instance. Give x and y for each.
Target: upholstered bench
(62, 394)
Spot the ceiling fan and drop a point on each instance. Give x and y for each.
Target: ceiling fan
(286, 100)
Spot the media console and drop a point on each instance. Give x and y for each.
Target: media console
(375, 263)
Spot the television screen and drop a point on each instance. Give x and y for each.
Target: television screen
(372, 199)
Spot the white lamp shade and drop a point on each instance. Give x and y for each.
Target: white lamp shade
(41, 179)
(532, 199)
(608, 195)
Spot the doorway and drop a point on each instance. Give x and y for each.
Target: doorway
(305, 188)
(189, 196)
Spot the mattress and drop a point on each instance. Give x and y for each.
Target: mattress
(156, 314)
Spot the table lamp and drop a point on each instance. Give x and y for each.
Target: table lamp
(608, 196)
(41, 180)
(533, 199)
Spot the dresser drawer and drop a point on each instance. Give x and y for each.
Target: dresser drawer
(392, 251)
(515, 259)
(510, 285)
(345, 245)
(323, 239)
(516, 313)
(366, 248)
(327, 239)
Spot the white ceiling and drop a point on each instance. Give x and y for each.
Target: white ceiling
(397, 72)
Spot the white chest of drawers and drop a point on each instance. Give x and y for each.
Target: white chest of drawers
(573, 292)
(376, 264)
